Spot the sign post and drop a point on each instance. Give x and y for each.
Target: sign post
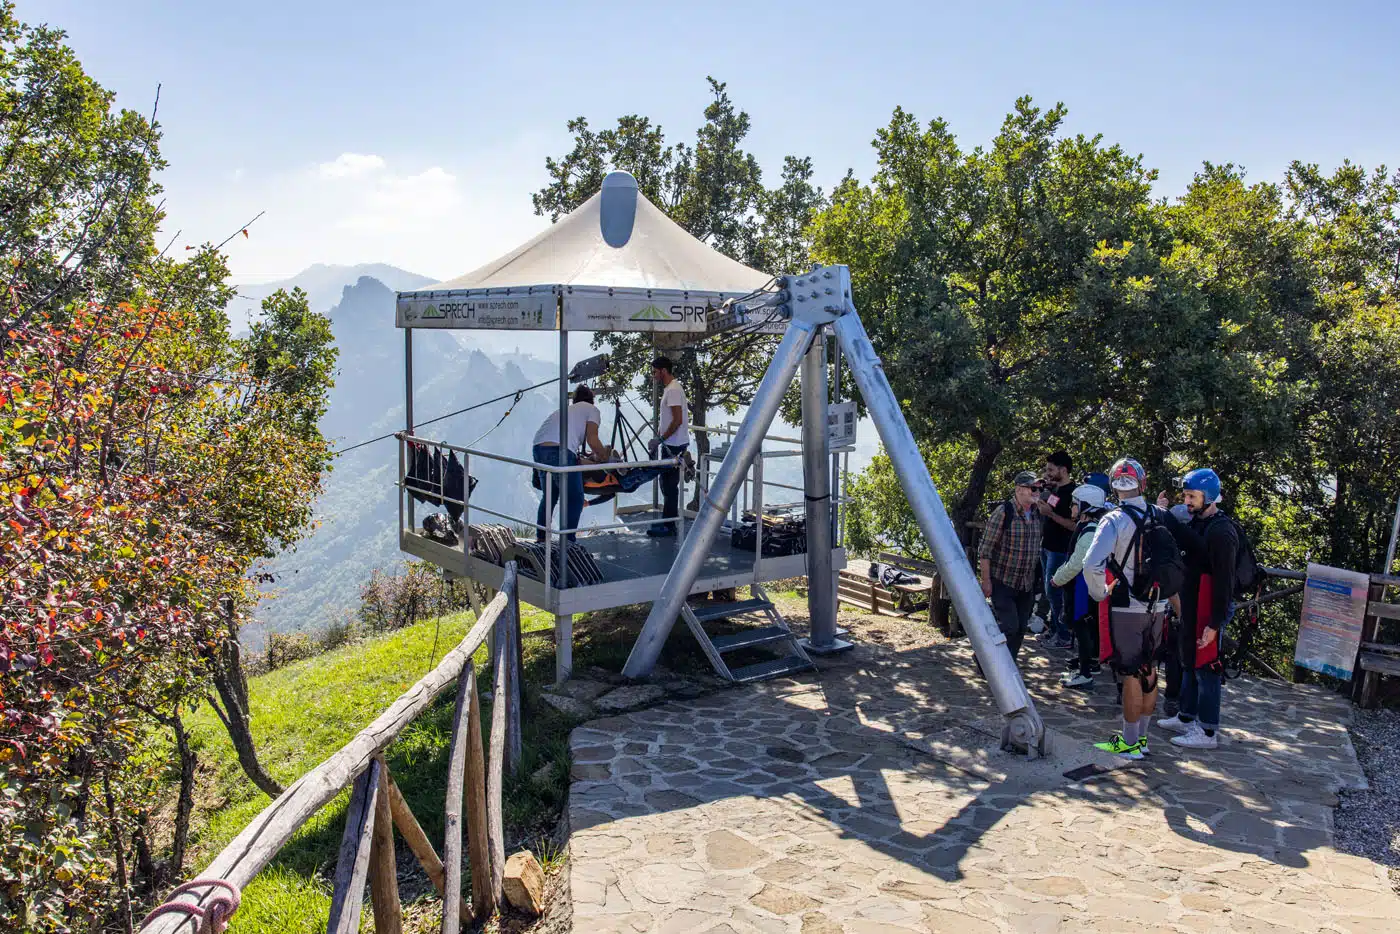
(1334, 611)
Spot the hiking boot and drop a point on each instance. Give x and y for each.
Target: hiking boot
(1119, 748)
(1176, 724)
(1078, 681)
(1195, 738)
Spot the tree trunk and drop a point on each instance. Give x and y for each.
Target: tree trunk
(226, 666)
(228, 681)
(236, 723)
(184, 805)
(966, 511)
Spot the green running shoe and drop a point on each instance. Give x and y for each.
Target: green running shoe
(1119, 747)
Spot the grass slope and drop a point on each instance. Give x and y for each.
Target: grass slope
(306, 711)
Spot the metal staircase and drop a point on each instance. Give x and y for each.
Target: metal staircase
(774, 633)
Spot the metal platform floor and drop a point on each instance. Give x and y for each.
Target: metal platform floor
(634, 568)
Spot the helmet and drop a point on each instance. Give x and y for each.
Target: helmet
(1127, 476)
(1100, 480)
(1090, 496)
(1204, 480)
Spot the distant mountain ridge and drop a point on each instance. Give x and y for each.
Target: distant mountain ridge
(324, 283)
(356, 514)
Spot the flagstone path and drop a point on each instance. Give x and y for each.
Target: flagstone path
(812, 806)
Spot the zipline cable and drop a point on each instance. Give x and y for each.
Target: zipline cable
(515, 394)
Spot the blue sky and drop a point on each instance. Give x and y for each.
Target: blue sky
(414, 134)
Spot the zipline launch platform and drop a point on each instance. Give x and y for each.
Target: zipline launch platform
(618, 263)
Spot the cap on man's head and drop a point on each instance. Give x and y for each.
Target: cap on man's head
(663, 363)
(1027, 478)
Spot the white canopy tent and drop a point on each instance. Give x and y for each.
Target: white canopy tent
(617, 263)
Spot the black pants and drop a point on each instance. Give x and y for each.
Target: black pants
(1086, 637)
(671, 483)
(1012, 609)
(1173, 659)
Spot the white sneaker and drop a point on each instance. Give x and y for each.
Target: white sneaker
(1176, 724)
(1196, 738)
(1077, 681)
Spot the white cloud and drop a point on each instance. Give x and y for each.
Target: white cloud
(391, 202)
(350, 165)
(436, 213)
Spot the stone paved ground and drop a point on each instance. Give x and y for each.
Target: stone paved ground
(806, 805)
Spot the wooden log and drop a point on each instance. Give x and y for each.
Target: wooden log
(383, 871)
(496, 767)
(524, 884)
(484, 900)
(465, 722)
(516, 744)
(266, 834)
(418, 843)
(352, 865)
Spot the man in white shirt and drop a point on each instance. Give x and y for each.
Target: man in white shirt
(673, 441)
(584, 419)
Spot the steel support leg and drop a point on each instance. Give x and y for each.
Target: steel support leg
(696, 546)
(816, 482)
(1024, 728)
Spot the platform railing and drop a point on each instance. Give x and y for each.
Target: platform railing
(553, 532)
(753, 497)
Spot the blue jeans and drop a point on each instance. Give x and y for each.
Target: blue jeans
(1200, 687)
(549, 454)
(1056, 595)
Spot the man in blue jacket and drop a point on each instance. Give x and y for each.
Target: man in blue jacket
(1210, 547)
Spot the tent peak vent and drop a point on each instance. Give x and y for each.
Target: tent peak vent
(618, 210)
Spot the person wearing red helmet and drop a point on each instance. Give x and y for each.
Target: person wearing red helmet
(1121, 567)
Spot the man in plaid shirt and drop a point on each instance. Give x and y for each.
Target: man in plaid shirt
(1007, 553)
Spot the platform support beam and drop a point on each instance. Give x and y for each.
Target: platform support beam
(742, 451)
(816, 482)
(1023, 727)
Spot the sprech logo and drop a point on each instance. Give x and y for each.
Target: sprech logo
(675, 314)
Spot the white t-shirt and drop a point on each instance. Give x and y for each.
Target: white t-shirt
(674, 394)
(580, 415)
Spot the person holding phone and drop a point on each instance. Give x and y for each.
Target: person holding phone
(1056, 506)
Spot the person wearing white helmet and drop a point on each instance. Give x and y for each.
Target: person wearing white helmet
(1127, 566)
(1082, 611)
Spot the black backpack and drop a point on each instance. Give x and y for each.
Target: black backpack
(1159, 571)
(1248, 577)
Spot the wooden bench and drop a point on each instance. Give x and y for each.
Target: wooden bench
(856, 587)
(1376, 659)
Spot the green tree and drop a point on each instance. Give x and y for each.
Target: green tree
(147, 461)
(1351, 236)
(970, 269)
(714, 190)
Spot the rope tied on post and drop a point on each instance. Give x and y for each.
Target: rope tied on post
(213, 915)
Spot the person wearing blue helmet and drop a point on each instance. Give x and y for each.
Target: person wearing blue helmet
(1210, 546)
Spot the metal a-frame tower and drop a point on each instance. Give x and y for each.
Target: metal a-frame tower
(811, 303)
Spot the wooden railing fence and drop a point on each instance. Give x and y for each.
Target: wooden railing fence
(475, 775)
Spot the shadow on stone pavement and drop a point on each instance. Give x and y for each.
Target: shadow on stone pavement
(808, 802)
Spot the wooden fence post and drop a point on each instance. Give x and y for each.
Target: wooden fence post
(418, 842)
(353, 862)
(383, 872)
(515, 673)
(500, 744)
